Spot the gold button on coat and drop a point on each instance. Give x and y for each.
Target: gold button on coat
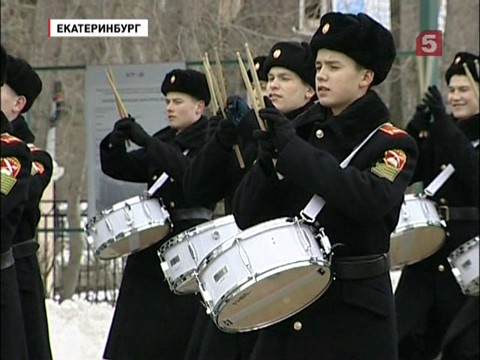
(443, 166)
(441, 268)
(443, 201)
(172, 204)
(154, 177)
(319, 134)
(297, 325)
(172, 180)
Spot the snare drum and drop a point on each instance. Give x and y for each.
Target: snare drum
(264, 275)
(464, 262)
(419, 233)
(181, 255)
(128, 226)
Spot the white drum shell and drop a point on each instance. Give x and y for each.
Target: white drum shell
(464, 261)
(181, 255)
(264, 275)
(420, 232)
(128, 226)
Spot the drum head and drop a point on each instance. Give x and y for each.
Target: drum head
(415, 244)
(272, 298)
(133, 241)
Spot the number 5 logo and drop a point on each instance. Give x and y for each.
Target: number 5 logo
(429, 43)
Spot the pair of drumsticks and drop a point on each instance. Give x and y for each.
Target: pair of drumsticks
(218, 93)
(118, 100)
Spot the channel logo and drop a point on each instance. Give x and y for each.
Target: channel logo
(429, 43)
(97, 28)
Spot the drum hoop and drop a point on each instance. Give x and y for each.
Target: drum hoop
(439, 224)
(195, 230)
(182, 278)
(251, 231)
(125, 234)
(215, 311)
(466, 246)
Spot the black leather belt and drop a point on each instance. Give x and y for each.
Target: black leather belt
(25, 248)
(191, 214)
(458, 213)
(360, 267)
(7, 259)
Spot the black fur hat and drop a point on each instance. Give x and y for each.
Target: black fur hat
(456, 68)
(293, 56)
(3, 64)
(191, 82)
(23, 80)
(359, 37)
(259, 63)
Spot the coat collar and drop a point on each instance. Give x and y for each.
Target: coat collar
(470, 127)
(191, 138)
(4, 124)
(354, 123)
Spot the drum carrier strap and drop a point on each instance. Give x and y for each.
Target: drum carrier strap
(352, 267)
(25, 248)
(7, 259)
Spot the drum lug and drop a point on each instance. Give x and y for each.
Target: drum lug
(324, 241)
(244, 257)
(147, 211)
(192, 251)
(127, 211)
(207, 298)
(109, 226)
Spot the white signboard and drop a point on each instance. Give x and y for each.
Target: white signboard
(140, 89)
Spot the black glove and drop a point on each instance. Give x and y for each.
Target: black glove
(279, 125)
(433, 100)
(265, 151)
(226, 133)
(420, 120)
(236, 109)
(138, 135)
(121, 131)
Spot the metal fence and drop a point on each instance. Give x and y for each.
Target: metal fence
(98, 280)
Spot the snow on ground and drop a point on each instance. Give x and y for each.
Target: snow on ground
(79, 329)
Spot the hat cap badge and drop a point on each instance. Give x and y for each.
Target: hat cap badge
(257, 66)
(457, 60)
(277, 53)
(325, 28)
(172, 79)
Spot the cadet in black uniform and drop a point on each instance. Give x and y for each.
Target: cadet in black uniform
(150, 322)
(428, 297)
(354, 318)
(215, 172)
(25, 86)
(16, 164)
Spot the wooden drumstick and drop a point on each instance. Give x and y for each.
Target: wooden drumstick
(118, 100)
(111, 79)
(221, 102)
(213, 94)
(221, 80)
(256, 82)
(472, 80)
(250, 93)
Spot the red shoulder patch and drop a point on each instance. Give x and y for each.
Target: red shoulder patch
(7, 138)
(390, 129)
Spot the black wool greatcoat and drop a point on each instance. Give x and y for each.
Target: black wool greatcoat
(428, 297)
(214, 174)
(30, 283)
(353, 319)
(16, 166)
(150, 321)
